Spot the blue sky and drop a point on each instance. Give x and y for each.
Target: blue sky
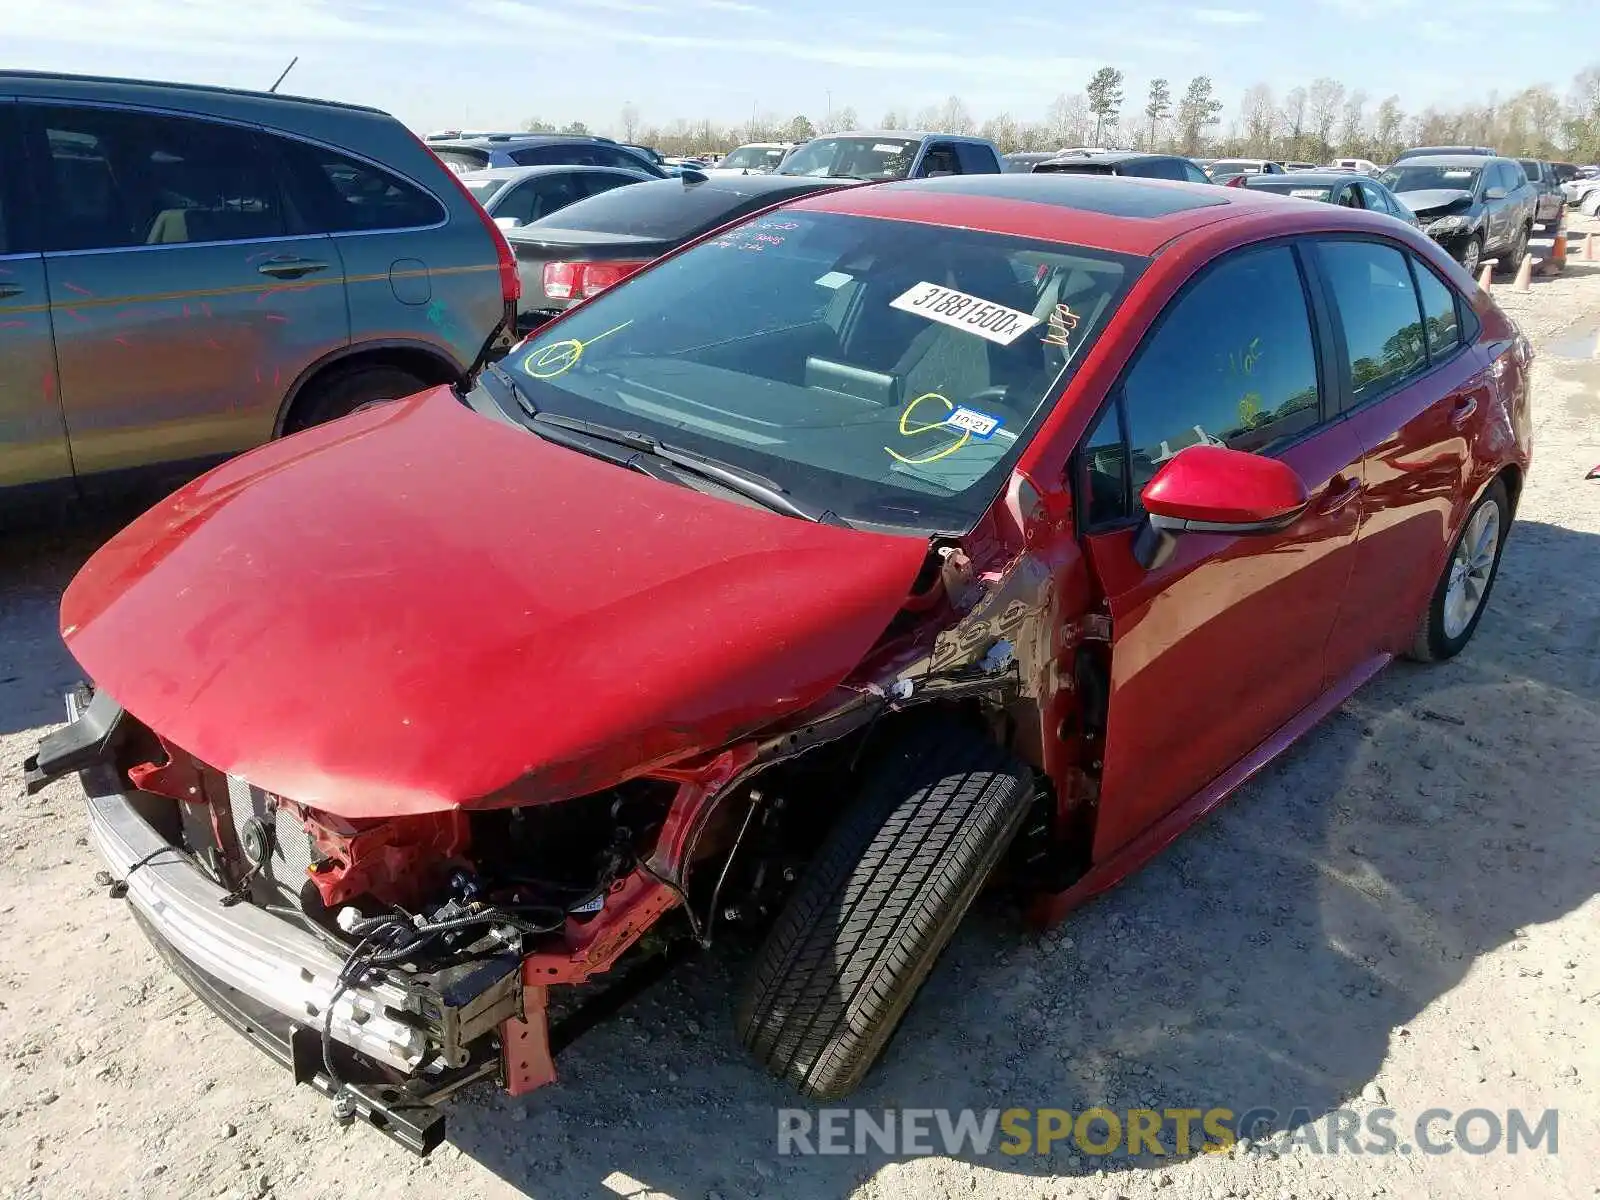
(492, 63)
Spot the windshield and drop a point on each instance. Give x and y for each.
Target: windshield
(853, 158)
(1287, 187)
(753, 158)
(1424, 178)
(890, 372)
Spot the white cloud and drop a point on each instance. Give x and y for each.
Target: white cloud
(1228, 16)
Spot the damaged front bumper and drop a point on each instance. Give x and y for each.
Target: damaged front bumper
(397, 1050)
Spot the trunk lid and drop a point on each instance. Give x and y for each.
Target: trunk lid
(413, 608)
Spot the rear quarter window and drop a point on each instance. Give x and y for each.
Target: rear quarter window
(462, 160)
(338, 194)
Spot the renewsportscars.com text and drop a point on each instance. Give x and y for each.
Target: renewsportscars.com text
(1147, 1131)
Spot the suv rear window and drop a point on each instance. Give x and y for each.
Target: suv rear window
(459, 159)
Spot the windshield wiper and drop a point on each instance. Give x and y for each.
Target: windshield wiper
(517, 394)
(759, 488)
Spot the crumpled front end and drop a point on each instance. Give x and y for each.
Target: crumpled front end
(287, 921)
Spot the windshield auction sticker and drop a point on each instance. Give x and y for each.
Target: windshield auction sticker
(976, 315)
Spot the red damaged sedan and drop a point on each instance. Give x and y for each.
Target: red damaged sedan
(900, 539)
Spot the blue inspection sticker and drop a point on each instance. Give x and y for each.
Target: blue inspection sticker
(969, 420)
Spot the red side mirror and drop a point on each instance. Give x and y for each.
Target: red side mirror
(1212, 489)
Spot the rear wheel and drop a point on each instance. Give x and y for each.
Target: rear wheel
(878, 904)
(1463, 589)
(1589, 206)
(349, 391)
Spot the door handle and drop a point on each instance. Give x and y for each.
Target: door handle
(291, 268)
(8, 290)
(1339, 492)
(1463, 411)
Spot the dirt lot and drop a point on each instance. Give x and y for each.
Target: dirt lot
(1401, 912)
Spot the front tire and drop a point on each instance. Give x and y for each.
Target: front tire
(1472, 254)
(1462, 592)
(878, 904)
(350, 391)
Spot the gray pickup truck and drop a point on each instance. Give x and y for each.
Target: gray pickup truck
(893, 154)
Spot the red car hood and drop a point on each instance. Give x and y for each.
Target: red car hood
(417, 606)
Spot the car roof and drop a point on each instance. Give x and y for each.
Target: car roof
(7, 76)
(1109, 212)
(491, 140)
(904, 135)
(548, 169)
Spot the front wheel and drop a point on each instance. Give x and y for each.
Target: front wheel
(1463, 589)
(878, 904)
(1472, 254)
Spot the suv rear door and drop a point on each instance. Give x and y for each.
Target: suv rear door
(414, 276)
(184, 298)
(33, 433)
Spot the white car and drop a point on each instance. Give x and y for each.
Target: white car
(1583, 194)
(753, 158)
(1365, 165)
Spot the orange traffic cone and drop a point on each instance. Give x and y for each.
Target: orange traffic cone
(1588, 246)
(1524, 280)
(1486, 276)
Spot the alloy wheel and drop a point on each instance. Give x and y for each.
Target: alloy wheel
(1471, 568)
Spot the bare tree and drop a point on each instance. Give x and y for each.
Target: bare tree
(1105, 100)
(1325, 98)
(954, 117)
(1353, 126)
(1387, 128)
(1197, 111)
(1067, 121)
(1260, 115)
(1294, 119)
(893, 119)
(630, 122)
(1003, 132)
(801, 130)
(1158, 107)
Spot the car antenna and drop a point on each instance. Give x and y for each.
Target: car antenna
(286, 71)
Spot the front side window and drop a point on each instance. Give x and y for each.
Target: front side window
(1231, 362)
(338, 194)
(117, 178)
(1375, 199)
(856, 158)
(888, 371)
(1377, 306)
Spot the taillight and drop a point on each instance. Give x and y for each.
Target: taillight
(579, 281)
(1236, 181)
(510, 281)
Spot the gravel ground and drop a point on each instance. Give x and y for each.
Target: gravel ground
(1402, 911)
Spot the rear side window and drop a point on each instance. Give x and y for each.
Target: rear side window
(117, 178)
(1530, 168)
(1378, 309)
(939, 160)
(1153, 168)
(975, 159)
(337, 194)
(1439, 311)
(1231, 362)
(539, 197)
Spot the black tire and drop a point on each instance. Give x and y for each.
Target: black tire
(1472, 254)
(340, 394)
(1433, 641)
(878, 904)
(1516, 252)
